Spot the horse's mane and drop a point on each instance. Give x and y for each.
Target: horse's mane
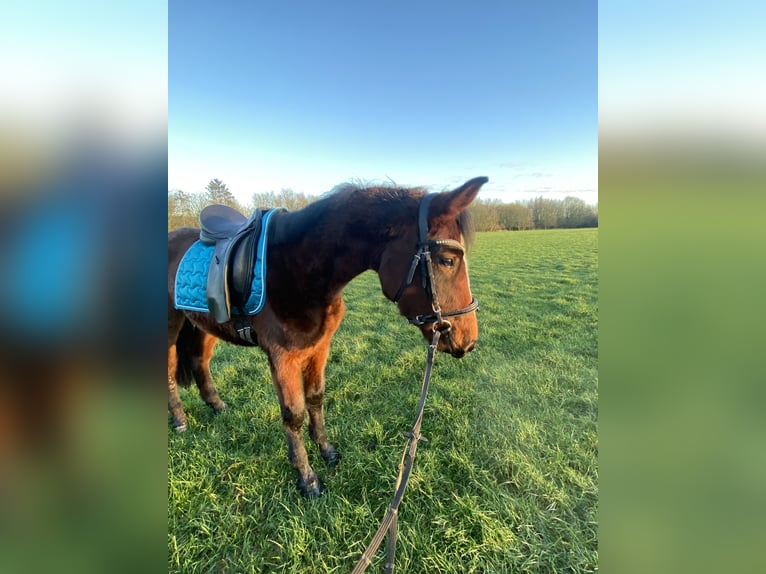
(371, 209)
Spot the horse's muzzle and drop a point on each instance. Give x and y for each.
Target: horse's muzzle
(460, 352)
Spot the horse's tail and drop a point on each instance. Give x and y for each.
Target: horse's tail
(184, 351)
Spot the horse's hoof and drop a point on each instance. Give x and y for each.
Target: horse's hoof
(218, 409)
(332, 457)
(180, 428)
(313, 488)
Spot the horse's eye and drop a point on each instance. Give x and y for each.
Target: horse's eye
(447, 262)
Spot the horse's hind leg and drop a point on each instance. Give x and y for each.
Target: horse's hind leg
(286, 375)
(175, 406)
(189, 353)
(175, 376)
(314, 382)
(202, 351)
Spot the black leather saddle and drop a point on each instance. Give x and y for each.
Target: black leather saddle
(230, 275)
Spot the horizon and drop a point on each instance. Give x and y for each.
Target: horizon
(315, 197)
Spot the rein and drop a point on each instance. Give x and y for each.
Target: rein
(441, 326)
(405, 469)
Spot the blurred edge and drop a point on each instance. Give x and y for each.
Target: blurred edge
(682, 277)
(83, 173)
(682, 175)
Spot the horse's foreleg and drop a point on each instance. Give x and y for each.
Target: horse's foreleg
(204, 345)
(314, 382)
(286, 375)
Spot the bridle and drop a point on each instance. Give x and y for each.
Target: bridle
(422, 259)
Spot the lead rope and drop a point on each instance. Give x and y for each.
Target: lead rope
(405, 468)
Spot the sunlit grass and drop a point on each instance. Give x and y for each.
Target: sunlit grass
(507, 481)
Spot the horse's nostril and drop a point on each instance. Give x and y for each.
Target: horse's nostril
(461, 352)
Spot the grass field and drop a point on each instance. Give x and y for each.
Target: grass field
(507, 481)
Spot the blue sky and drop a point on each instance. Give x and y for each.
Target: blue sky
(306, 95)
(69, 67)
(688, 68)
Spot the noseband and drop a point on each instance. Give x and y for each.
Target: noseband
(422, 258)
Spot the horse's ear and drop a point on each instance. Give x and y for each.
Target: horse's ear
(451, 203)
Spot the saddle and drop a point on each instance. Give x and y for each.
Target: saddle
(230, 274)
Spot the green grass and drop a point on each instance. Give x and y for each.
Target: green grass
(507, 481)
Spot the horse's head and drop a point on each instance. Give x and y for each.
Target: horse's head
(442, 298)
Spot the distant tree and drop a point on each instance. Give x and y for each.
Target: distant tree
(514, 217)
(263, 200)
(592, 220)
(292, 200)
(484, 214)
(545, 212)
(574, 212)
(286, 198)
(182, 209)
(217, 192)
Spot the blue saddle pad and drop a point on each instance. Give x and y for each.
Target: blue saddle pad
(191, 277)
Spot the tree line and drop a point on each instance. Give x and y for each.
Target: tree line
(488, 214)
(538, 213)
(184, 208)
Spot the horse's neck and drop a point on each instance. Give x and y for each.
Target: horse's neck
(319, 255)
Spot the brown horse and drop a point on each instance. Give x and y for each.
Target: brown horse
(312, 255)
